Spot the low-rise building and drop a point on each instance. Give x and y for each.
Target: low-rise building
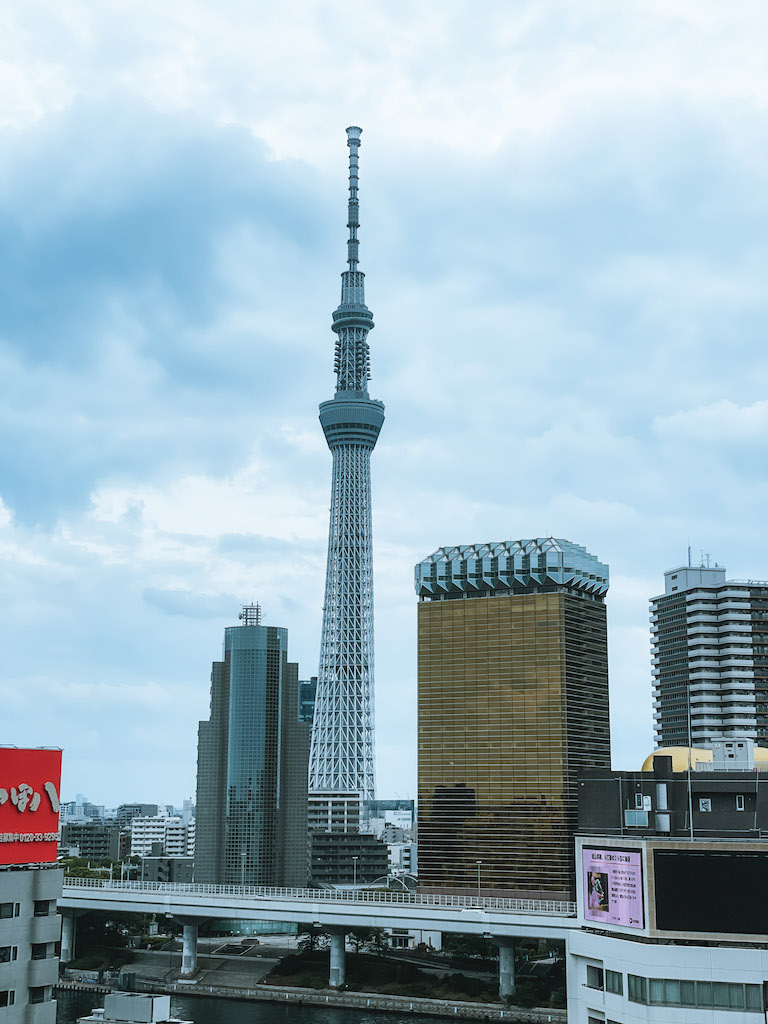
(125, 814)
(91, 839)
(334, 811)
(347, 858)
(168, 830)
(672, 890)
(158, 868)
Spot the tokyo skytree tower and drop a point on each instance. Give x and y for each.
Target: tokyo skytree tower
(341, 755)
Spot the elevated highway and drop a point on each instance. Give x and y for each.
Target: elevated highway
(502, 919)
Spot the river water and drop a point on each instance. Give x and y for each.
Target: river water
(72, 1005)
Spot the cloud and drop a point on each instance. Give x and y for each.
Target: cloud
(563, 224)
(720, 423)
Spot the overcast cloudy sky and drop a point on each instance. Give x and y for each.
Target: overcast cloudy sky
(564, 222)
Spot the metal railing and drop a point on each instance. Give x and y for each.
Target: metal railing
(383, 896)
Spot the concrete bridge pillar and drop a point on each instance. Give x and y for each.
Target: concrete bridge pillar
(189, 948)
(506, 968)
(338, 958)
(67, 936)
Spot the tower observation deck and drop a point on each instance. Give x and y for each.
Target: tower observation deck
(342, 752)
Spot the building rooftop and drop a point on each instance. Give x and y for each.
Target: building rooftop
(514, 566)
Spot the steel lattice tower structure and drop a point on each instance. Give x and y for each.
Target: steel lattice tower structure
(342, 757)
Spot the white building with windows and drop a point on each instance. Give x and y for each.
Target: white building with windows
(169, 831)
(710, 658)
(671, 931)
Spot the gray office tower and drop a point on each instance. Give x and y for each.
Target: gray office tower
(252, 764)
(710, 657)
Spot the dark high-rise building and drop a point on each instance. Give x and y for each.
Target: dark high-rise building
(710, 657)
(253, 758)
(307, 696)
(513, 701)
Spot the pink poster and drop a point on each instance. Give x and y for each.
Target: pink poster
(613, 887)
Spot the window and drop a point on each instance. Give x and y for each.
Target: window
(6, 997)
(594, 977)
(638, 801)
(614, 982)
(656, 992)
(739, 801)
(7, 953)
(39, 950)
(39, 993)
(717, 995)
(637, 989)
(42, 908)
(705, 804)
(9, 909)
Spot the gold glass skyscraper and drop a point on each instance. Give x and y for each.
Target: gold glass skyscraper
(513, 700)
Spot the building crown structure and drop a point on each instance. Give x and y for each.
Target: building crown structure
(342, 752)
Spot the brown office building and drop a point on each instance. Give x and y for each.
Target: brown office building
(513, 701)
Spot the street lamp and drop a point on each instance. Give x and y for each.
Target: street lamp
(354, 872)
(478, 862)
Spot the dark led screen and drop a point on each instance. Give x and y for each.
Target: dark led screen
(711, 891)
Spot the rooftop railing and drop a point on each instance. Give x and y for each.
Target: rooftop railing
(383, 896)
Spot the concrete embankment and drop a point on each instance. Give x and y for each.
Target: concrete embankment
(363, 1001)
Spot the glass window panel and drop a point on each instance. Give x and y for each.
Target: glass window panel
(614, 982)
(720, 993)
(754, 996)
(672, 993)
(736, 997)
(703, 993)
(688, 993)
(656, 991)
(637, 989)
(594, 977)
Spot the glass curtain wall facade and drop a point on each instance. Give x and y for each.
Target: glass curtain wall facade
(253, 757)
(513, 701)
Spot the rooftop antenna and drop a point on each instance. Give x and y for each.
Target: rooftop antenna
(250, 615)
(689, 556)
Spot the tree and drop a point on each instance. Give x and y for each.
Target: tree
(358, 936)
(379, 940)
(311, 939)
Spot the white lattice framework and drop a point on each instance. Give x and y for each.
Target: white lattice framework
(342, 751)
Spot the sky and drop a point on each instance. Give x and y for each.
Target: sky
(564, 221)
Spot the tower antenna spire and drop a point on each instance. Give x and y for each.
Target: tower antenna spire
(353, 218)
(352, 319)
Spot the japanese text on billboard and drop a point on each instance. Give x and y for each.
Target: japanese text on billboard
(613, 887)
(29, 805)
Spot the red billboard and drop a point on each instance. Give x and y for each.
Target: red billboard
(30, 783)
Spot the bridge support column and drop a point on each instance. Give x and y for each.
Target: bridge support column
(68, 918)
(338, 958)
(506, 968)
(189, 948)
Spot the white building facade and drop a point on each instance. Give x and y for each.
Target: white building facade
(710, 658)
(629, 963)
(169, 831)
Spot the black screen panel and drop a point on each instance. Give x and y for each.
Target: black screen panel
(711, 891)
